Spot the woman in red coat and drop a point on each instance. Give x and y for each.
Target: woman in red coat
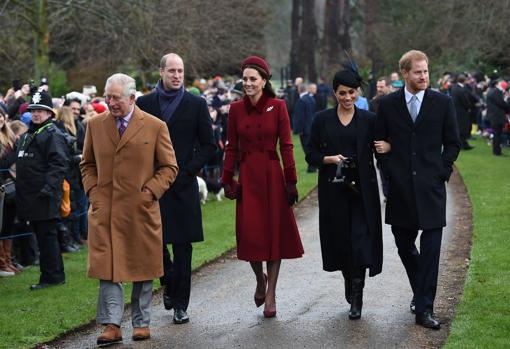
(265, 226)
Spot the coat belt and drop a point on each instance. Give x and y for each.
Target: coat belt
(271, 154)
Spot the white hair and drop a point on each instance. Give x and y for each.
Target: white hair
(124, 80)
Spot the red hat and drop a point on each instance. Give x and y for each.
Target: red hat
(98, 108)
(258, 62)
(504, 85)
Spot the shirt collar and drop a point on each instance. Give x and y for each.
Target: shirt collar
(303, 94)
(409, 95)
(128, 116)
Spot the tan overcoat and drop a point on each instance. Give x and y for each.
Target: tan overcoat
(124, 237)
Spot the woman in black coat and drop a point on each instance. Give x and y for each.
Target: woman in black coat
(349, 206)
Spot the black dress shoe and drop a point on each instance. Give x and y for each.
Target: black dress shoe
(167, 300)
(180, 316)
(412, 306)
(42, 285)
(426, 319)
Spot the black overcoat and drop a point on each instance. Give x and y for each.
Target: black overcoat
(42, 163)
(497, 107)
(322, 144)
(421, 158)
(193, 141)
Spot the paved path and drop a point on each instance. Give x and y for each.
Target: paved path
(312, 312)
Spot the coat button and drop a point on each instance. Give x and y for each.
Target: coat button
(247, 126)
(413, 134)
(372, 179)
(260, 125)
(260, 138)
(414, 154)
(414, 173)
(370, 163)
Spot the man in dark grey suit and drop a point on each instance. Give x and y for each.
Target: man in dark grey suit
(189, 123)
(421, 126)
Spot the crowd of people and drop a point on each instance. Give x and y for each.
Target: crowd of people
(57, 151)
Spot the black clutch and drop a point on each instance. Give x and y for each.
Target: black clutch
(347, 174)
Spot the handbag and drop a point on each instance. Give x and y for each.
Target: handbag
(65, 204)
(8, 188)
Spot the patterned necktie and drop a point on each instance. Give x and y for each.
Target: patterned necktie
(413, 108)
(122, 127)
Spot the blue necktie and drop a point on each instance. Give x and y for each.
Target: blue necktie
(413, 108)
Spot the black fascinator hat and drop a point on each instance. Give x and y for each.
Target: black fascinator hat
(349, 75)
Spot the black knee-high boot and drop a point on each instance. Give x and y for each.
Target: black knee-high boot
(358, 283)
(348, 286)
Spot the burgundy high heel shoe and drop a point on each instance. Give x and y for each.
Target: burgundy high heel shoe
(261, 300)
(270, 313)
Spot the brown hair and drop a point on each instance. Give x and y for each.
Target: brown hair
(406, 62)
(268, 89)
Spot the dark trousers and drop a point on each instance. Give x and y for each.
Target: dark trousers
(79, 227)
(50, 259)
(177, 275)
(496, 141)
(421, 266)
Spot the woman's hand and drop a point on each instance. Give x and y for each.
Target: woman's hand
(333, 159)
(382, 147)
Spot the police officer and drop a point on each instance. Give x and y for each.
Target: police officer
(41, 165)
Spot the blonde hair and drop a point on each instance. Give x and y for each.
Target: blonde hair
(18, 127)
(67, 117)
(7, 137)
(406, 62)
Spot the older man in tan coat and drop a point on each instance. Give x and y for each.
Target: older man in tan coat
(128, 163)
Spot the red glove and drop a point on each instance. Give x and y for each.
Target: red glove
(232, 190)
(292, 193)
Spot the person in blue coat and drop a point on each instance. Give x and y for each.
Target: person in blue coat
(304, 113)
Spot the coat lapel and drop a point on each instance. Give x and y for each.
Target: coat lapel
(402, 107)
(111, 128)
(134, 126)
(361, 132)
(331, 124)
(425, 107)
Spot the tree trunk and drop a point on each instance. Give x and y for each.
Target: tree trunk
(295, 63)
(331, 38)
(41, 39)
(370, 22)
(345, 25)
(308, 39)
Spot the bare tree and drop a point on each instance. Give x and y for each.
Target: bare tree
(308, 40)
(295, 62)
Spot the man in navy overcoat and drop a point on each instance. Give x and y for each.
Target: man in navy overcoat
(189, 123)
(421, 126)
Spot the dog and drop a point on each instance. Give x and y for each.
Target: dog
(202, 190)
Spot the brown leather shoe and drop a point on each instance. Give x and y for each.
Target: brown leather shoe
(111, 334)
(141, 333)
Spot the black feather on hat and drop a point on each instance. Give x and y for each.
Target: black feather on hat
(41, 100)
(349, 75)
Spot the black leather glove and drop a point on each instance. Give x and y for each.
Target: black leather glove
(232, 190)
(292, 193)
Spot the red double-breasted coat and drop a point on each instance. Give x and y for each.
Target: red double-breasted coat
(265, 225)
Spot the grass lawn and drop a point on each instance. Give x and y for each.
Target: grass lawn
(482, 318)
(28, 318)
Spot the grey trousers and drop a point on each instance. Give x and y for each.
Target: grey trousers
(110, 303)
